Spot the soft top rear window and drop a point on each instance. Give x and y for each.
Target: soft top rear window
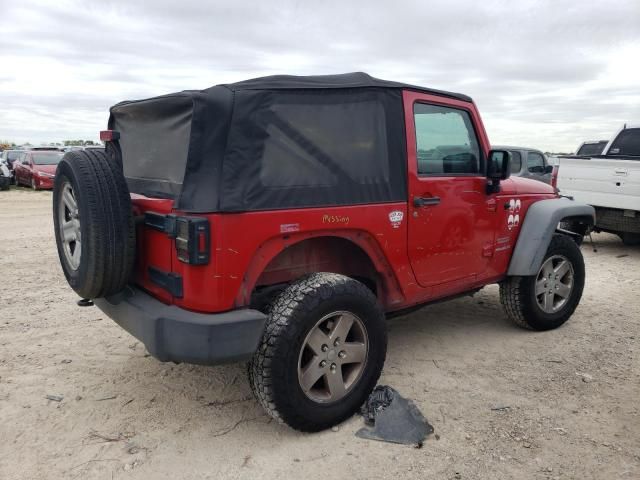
(155, 143)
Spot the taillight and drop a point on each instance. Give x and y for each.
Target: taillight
(554, 176)
(109, 135)
(192, 240)
(192, 235)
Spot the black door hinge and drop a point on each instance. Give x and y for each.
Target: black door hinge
(171, 282)
(160, 221)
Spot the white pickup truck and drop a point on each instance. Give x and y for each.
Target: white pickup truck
(610, 182)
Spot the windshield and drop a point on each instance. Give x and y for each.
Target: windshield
(49, 158)
(13, 155)
(592, 148)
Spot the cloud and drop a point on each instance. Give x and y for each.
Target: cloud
(546, 74)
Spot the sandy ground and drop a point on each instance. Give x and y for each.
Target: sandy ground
(505, 403)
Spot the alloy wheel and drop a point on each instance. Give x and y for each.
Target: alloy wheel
(333, 357)
(70, 226)
(554, 283)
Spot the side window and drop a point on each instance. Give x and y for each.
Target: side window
(626, 143)
(325, 144)
(445, 141)
(535, 162)
(516, 162)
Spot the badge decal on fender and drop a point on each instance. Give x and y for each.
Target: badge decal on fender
(514, 217)
(395, 218)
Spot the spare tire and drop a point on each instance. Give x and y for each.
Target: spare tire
(93, 221)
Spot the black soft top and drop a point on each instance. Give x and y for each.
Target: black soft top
(269, 143)
(343, 80)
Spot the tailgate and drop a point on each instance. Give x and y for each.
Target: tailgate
(601, 182)
(154, 249)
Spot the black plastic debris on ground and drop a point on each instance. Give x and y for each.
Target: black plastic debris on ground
(392, 418)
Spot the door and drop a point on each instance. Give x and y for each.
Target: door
(19, 168)
(28, 170)
(450, 221)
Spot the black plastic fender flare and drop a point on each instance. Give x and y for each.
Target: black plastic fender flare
(540, 223)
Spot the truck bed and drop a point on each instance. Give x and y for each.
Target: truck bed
(601, 181)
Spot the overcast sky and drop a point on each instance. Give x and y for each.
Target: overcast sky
(543, 74)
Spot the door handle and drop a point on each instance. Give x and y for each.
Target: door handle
(424, 201)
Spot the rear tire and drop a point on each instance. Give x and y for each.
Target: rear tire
(523, 298)
(630, 239)
(297, 316)
(93, 222)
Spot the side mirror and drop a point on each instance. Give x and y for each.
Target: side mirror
(536, 169)
(499, 168)
(548, 169)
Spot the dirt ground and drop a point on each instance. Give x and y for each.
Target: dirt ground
(505, 403)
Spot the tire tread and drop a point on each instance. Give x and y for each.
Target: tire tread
(300, 298)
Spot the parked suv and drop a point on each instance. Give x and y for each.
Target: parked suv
(279, 220)
(529, 163)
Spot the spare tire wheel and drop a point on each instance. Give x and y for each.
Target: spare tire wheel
(93, 223)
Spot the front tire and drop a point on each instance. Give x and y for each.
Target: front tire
(548, 299)
(321, 354)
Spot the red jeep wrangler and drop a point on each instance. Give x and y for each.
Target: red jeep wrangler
(279, 220)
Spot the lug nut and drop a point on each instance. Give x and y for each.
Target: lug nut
(342, 354)
(333, 367)
(337, 342)
(324, 348)
(323, 363)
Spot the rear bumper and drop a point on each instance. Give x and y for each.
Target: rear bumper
(172, 334)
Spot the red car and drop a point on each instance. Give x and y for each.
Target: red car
(37, 168)
(279, 220)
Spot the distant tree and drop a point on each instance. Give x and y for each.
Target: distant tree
(78, 143)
